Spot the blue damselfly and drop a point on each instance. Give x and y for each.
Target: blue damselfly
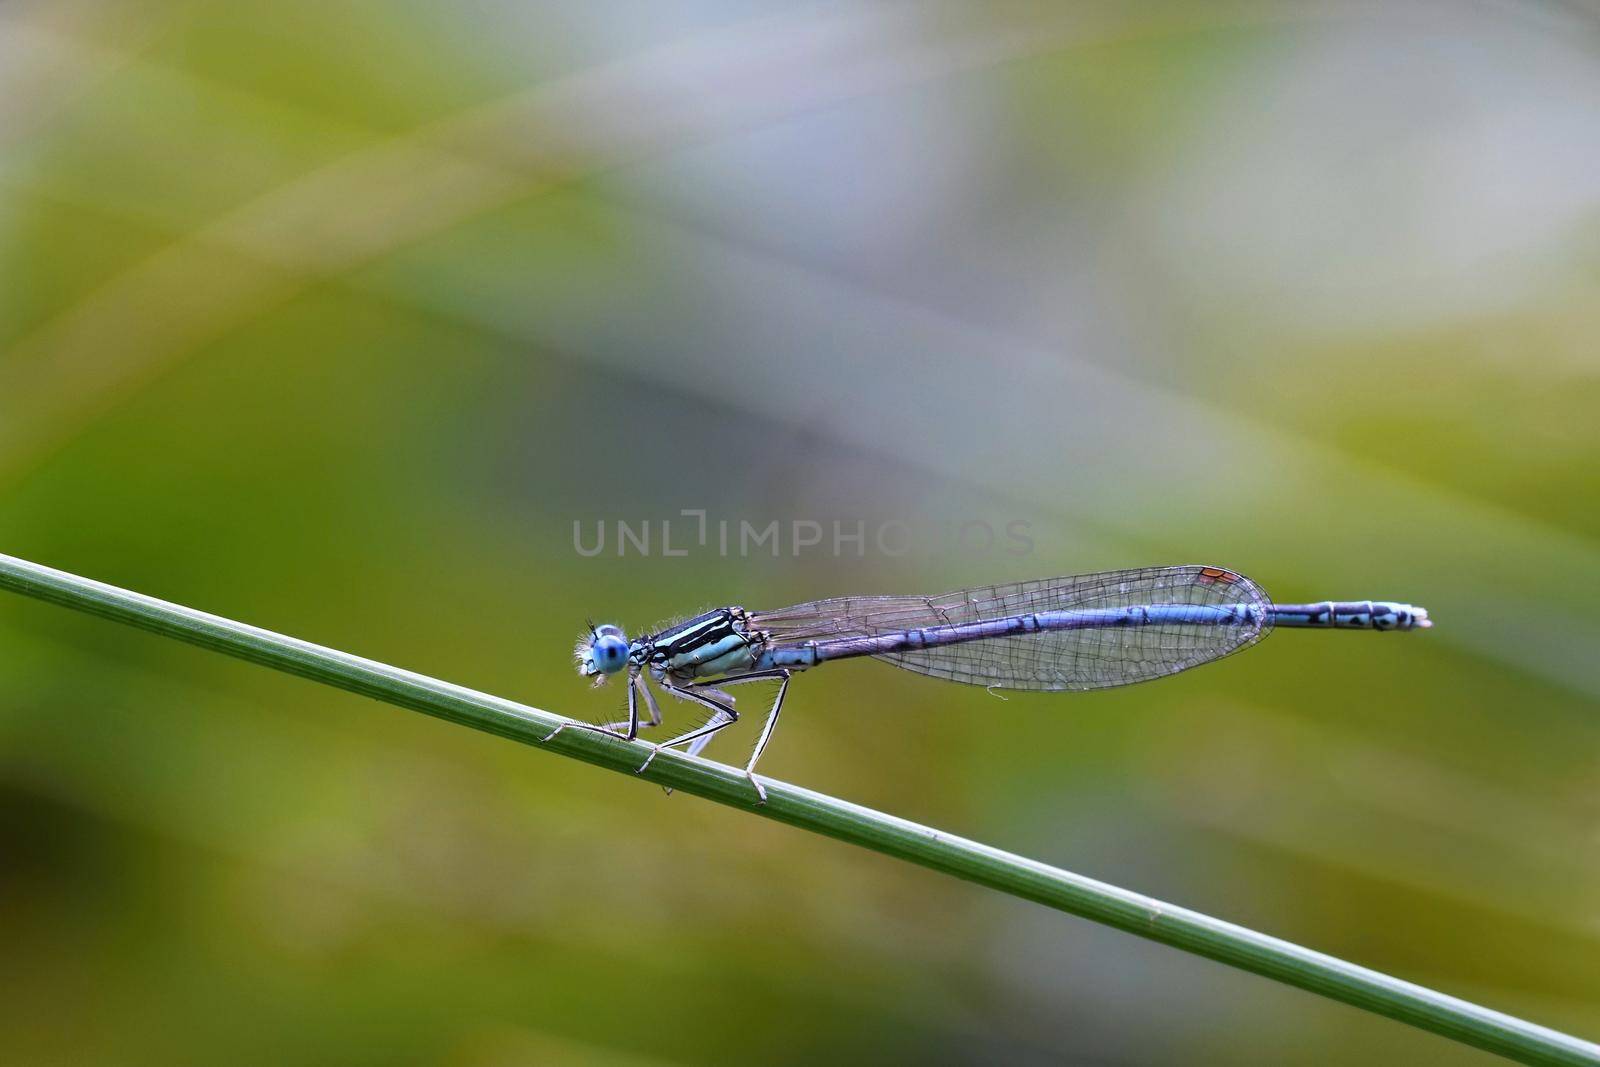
(1086, 631)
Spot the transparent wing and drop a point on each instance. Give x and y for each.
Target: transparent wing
(1090, 658)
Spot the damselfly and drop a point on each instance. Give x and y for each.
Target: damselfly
(1087, 631)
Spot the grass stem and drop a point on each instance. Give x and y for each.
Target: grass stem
(976, 862)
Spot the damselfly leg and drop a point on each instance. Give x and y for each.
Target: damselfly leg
(695, 747)
(723, 715)
(650, 706)
(783, 675)
(635, 686)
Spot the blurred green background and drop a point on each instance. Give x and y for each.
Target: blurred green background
(335, 317)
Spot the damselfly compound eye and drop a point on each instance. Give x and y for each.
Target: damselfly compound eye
(609, 650)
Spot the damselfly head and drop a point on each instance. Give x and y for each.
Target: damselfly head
(601, 652)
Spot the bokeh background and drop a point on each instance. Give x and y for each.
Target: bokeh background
(335, 317)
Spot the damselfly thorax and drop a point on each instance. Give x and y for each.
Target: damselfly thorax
(707, 646)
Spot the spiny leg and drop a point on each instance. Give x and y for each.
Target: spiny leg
(698, 743)
(695, 747)
(708, 690)
(649, 700)
(722, 715)
(650, 705)
(767, 727)
(609, 729)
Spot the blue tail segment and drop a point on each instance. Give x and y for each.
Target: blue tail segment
(1352, 615)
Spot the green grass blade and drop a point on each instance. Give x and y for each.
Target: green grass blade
(971, 860)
